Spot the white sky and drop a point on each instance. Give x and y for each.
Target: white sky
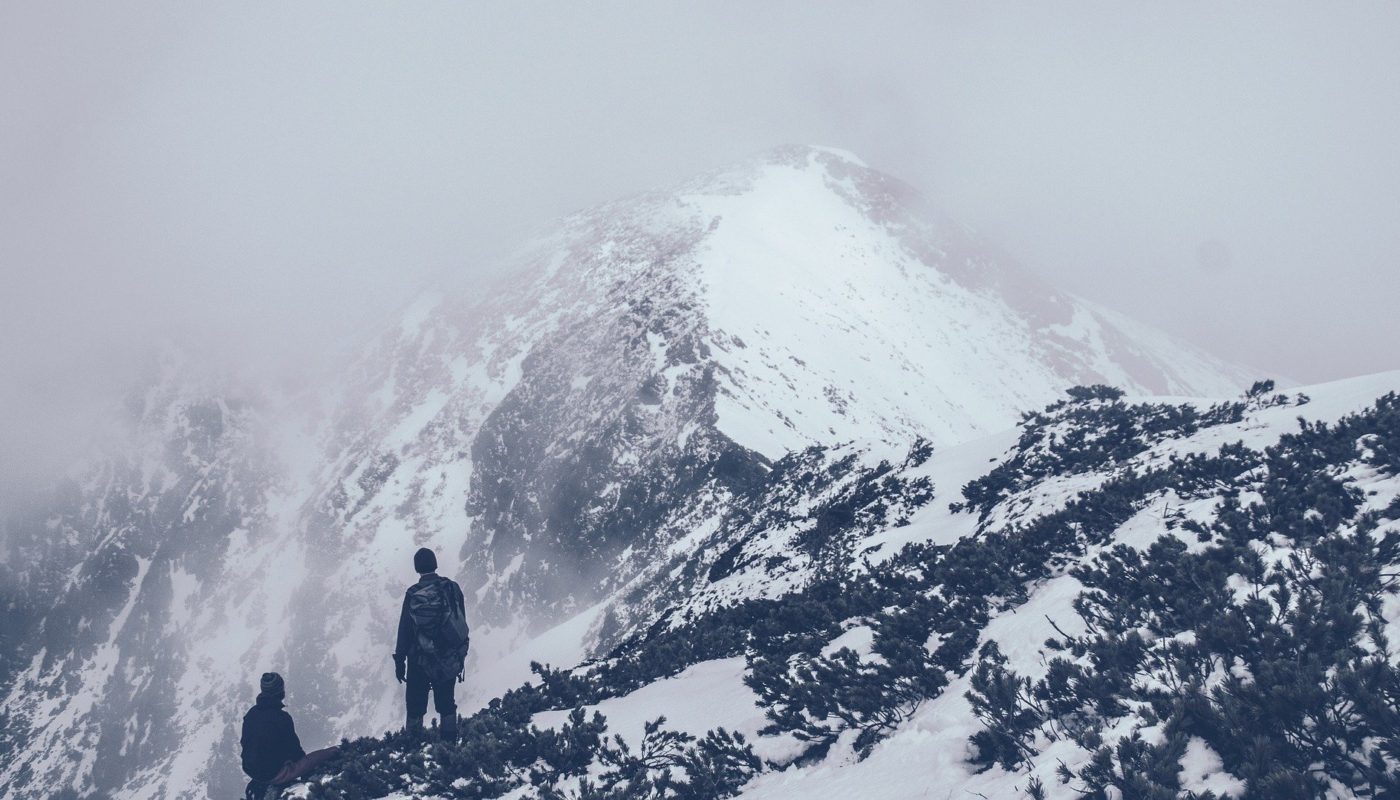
(264, 179)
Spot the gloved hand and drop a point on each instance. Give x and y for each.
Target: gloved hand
(400, 667)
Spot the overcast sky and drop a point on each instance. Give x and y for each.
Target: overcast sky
(265, 179)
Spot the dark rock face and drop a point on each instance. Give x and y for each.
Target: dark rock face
(609, 430)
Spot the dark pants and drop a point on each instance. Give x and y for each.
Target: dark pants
(416, 697)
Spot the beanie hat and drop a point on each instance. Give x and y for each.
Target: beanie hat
(424, 561)
(272, 685)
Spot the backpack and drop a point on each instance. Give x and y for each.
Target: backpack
(443, 636)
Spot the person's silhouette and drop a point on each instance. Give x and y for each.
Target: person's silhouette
(432, 644)
(272, 754)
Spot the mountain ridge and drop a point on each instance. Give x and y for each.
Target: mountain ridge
(1035, 653)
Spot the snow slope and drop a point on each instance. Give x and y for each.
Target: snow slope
(928, 756)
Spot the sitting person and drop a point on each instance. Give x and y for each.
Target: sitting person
(272, 754)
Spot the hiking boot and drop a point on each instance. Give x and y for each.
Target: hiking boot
(449, 728)
(414, 724)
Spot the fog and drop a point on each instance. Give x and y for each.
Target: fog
(263, 183)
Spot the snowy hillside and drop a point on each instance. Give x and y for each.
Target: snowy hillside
(1208, 656)
(585, 445)
(1133, 599)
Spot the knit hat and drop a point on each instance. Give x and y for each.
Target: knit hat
(272, 685)
(424, 561)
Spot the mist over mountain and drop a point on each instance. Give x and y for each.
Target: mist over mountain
(585, 445)
(261, 181)
(1035, 435)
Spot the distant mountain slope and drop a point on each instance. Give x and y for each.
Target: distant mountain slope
(648, 380)
(1134, 599)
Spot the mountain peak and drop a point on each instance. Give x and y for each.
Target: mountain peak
(846, 283)
(754, 173)
(803, 154)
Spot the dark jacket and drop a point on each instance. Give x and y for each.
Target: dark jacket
(408, 637)
(269, 739)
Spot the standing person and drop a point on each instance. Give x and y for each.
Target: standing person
(432, 644)
(272, 754)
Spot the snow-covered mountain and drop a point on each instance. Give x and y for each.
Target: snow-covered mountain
(1118, 598)
(627, 434)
